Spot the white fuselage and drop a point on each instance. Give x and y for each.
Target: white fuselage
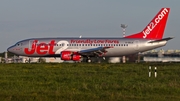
(52, 47)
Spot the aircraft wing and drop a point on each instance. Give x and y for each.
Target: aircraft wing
(165, 39)
(99, 51)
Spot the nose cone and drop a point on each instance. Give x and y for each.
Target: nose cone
(10, 49)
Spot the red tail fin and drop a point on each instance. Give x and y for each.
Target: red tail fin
(155, 29)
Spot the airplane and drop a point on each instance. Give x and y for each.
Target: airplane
(75, 49)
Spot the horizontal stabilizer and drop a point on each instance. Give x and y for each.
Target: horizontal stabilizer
(165, 39)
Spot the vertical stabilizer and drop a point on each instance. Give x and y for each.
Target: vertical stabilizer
(155, 29)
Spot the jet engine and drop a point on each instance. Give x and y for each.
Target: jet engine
(68, 55)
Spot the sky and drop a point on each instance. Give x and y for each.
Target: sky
(23, 19)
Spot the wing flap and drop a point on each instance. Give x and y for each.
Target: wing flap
(99, 51)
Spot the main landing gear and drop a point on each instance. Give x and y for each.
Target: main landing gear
(88, 60)
(93, 59)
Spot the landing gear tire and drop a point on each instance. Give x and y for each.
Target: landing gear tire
(89, 60)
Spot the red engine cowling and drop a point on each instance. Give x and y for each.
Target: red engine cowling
(76, 57)
(68, 55)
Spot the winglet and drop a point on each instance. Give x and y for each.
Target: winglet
(155, 29)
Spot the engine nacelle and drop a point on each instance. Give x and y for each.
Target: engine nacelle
(76, 57)
(68, 55)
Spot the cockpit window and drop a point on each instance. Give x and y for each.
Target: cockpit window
(19, 44)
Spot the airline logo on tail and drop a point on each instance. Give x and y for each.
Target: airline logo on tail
(155, 29)
(153, 24)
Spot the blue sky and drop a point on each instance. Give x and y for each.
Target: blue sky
(22, 19)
